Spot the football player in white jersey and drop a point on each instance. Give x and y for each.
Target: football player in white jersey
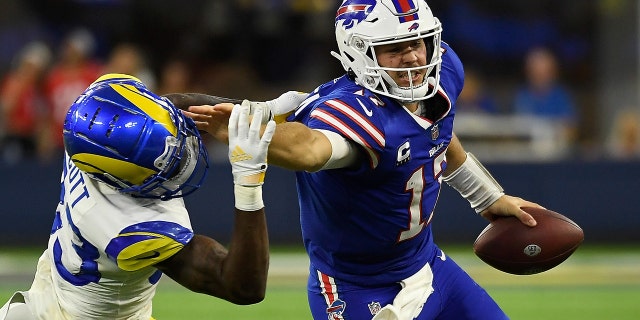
(121, 221)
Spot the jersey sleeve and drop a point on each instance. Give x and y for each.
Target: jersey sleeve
(147, 243)
(353, 117)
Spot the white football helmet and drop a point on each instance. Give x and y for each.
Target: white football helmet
(361, 25)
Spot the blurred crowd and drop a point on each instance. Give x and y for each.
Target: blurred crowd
(51, 51)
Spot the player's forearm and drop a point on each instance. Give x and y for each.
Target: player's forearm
(247, 263)
(296, 147)
(185, 100)
(456, 155)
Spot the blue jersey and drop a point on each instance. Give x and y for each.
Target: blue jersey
(370, 224)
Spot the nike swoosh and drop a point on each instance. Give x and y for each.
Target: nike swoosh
(367, 111)
(442, 257)
(152, 255)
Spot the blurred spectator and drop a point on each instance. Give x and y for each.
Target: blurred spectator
(543, 95)
(175, 76)
(22, 105)
(73, 71)
(475, 98)
(623, 142)
(128, 58)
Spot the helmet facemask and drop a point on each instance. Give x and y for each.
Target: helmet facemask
(189, 169)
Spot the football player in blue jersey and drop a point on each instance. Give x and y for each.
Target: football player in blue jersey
(122, 222)
(371, 150)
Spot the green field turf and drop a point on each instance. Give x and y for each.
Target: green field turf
(595, 283)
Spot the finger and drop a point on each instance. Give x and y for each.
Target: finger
(243, 121)
(184, 100)
(526, 218)
(233, 122)
(266, 138)
(202, 126)
(203, 109)
(254, 130)
(223, 107)
(269, 130)
(532, 204)
(197, 116)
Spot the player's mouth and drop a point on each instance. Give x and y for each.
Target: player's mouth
(413, 78)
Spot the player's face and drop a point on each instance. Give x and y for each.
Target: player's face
(407, 54)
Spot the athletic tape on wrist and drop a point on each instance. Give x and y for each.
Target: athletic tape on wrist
(475, 183)
(253, 180)
(248, 198)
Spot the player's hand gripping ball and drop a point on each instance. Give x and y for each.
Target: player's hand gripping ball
(510, 246)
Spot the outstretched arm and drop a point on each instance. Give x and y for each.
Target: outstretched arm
(239, 274)
(294, 145)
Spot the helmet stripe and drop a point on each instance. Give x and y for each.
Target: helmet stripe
(116, 76)
(404, 8)
(147, 105)
(127, 171)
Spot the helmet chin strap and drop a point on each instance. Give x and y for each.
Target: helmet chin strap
(412, 93)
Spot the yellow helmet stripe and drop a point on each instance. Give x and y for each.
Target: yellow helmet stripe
(110, 76)
(147, 105)
(124, 170)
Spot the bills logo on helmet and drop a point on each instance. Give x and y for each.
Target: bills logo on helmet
(352, 12)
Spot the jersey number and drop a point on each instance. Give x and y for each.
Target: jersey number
(415, 186)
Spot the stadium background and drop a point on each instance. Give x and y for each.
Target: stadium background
(258, 48)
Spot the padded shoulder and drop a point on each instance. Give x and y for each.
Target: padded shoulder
(452, 73)
(147, 243)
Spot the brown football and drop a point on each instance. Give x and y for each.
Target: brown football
(510, 246)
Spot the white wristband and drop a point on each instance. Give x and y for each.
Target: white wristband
(475, 183)
(248, 198)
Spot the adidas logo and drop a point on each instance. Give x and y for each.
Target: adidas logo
(237, 154)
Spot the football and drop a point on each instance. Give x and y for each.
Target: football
(510, 246)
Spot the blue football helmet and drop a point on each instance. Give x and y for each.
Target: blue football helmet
(139, 143)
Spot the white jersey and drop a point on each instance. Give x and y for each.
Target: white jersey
(99, 261)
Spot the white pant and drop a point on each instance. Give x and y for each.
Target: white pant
(16, 309)
(411, 298)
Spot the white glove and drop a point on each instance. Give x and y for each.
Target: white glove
(280, 107)
(247, 150)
